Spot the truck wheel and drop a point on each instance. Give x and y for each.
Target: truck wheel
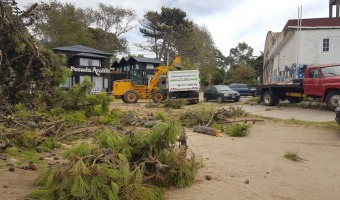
(332, 99)
(269, 99)
(123, 99)
(158, 96)
(206, 99)
(219, 99)
(131, 96)
(295, 99)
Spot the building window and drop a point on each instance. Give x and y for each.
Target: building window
(149, 66)
(88, 62)
(81, 79)
(96, 63)
(137, 66)
(98, 81)
(85, 62)
(106, 83)
(325, 45)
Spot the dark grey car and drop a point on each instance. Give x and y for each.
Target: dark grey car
(243, 89)
(221, 93)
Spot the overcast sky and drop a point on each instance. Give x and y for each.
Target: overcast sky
(229, 21)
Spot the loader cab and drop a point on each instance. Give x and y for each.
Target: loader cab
(138, 77)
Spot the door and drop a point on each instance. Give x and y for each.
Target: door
(312, 83)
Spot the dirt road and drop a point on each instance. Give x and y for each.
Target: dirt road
(259, 159)
(290, 113)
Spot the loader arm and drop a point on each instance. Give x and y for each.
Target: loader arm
(153, 85)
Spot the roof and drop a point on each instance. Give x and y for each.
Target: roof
(146, 60)
(82, 49)
(313, 22)
(90, 55)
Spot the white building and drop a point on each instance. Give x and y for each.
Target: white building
(316, 41)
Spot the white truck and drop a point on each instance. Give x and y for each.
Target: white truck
(184, 84)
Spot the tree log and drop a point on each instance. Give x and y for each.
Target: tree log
(207, 130)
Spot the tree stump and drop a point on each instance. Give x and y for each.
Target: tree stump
(207, 130)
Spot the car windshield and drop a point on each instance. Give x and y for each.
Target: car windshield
(222, 88)
(331, 71)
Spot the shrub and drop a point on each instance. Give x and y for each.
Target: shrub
(174, 103)
(238, 130)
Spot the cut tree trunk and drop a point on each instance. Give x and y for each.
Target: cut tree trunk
(207, 130)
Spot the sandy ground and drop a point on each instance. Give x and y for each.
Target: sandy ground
(257, 158)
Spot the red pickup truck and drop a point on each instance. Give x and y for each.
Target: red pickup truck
(320, 81)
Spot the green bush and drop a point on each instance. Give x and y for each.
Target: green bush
(238, 130)
(174, 103)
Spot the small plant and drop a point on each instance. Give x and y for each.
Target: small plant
(253, 100)
(293, 156)
(238, 130)
(151, 104)
(217, 126)
(161, 116)
(236, 111)
(174, 103)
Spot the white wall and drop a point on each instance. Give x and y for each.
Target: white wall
(309, 51)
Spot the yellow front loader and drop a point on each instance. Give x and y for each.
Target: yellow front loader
(130, 92)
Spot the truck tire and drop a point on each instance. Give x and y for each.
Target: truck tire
(295, 99)
(123, 99)
(130, 96)
(332, 99)
(269, 99)
(158, 96)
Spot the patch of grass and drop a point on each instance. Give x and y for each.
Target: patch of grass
(151, 104)
(330, 125)
(174, 103)
(76, 117)
(238, 130)
(217, 126)
(23, 156)
(161, 115)
(205, 106)
(253, 100)
(81, 149)
(48, 144)
(293, 156)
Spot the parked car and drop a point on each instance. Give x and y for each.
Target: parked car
(337, 114)
(221, 93)
(243, 89)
